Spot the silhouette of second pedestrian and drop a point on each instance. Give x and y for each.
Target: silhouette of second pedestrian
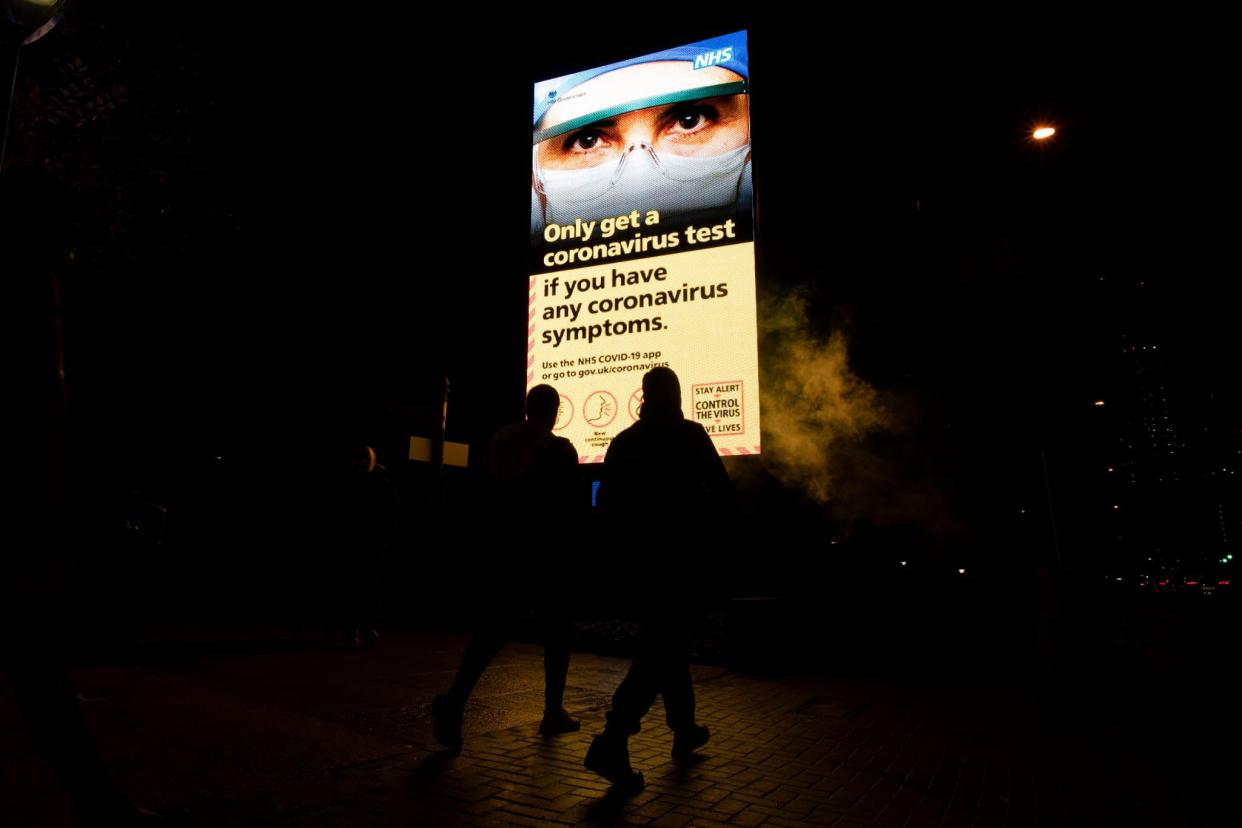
(662, 480)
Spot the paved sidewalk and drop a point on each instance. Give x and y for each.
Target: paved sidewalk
(259, 735)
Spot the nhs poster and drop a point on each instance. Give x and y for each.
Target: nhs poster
(642, 243)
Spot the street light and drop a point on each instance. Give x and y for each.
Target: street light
(1043, 133)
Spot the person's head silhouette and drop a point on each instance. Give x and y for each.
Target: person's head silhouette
(362, 459)
(661, 394)
(542, 403)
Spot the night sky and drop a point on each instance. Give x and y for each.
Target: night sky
(279, 222)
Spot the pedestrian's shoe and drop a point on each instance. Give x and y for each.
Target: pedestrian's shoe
(446, 722)
(689, 739)
(557, 721)
(609, 756)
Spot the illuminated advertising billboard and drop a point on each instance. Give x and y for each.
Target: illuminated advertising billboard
(642, 243)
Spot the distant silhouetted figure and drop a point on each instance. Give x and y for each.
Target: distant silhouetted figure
(369, 512)
(531, 477)
(663, 482)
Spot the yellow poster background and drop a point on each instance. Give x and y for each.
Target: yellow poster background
(711, 343)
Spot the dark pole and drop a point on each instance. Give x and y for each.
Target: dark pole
(9, 55)
(1052, 515)
(437, 449)
(1049, 572)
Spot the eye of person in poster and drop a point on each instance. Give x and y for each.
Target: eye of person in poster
(705, 128)
(688, 152)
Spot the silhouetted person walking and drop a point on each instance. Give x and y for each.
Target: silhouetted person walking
(369, 511)
(662, 481)
(529, 475)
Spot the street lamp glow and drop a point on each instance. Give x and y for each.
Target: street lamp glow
(1043, 133)
(1099, 403)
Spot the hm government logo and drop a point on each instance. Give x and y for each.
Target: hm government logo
(707, 59)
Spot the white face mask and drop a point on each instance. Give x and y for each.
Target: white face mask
(644, 181)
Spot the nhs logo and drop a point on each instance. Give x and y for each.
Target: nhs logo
(712, 58)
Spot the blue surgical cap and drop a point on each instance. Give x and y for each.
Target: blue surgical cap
(548, 92)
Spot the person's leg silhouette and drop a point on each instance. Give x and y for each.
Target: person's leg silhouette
(555, 626)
